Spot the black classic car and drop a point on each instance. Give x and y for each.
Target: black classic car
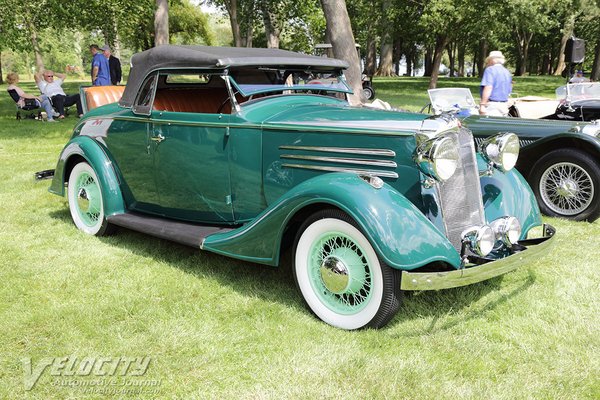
(560, 158)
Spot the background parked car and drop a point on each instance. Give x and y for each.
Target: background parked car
(560, 158)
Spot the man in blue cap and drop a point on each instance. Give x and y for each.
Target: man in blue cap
(100, 67)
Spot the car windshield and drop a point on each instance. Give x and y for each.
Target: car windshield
(250, 82)
(451, 100)
(579, 91)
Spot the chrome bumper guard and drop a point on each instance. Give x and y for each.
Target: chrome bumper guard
(527, 250)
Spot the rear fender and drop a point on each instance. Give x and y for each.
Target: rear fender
(399, 232)
(92, 152)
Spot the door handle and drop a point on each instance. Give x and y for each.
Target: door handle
(159, 138)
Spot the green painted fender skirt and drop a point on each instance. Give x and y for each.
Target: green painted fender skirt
(93, 153)
(399, 232)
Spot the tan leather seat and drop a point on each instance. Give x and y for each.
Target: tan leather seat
(191, 100)
(97, 96)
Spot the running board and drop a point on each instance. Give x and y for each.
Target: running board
(177, 231)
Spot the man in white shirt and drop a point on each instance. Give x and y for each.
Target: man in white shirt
(53, 88)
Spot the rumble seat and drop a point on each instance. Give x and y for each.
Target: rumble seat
(191, 100)
(96, 96)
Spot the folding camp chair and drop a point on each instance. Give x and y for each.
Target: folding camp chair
(30, 106)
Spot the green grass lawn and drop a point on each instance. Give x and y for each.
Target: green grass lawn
(220, 328)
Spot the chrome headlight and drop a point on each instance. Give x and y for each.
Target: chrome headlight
(438, 157)
(507, 230)
(502, 150)
(592, 129)
(480, 240)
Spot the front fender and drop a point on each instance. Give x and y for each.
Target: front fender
(402, 236)
(92, 152)
(509, 194)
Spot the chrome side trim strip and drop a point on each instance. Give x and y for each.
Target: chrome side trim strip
(345, 150)
(344, 160)
(370, 172)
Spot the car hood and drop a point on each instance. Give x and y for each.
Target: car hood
(323, 113)
(521, 126)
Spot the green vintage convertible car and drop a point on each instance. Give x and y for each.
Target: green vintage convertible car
(232, 151)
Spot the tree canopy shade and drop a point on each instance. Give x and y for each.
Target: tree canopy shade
(423, 33)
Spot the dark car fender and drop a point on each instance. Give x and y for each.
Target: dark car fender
(83, 147)
(532, 152)
(398, 231)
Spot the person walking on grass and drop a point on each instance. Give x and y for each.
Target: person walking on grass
(496, 86)
(53, 89)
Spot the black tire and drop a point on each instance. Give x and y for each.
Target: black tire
(368, 92)
(356, 289)
(86, 204)
(566, 183)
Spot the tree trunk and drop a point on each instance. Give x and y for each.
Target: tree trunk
(483, 51)
(451, 53)
(272, 30)
(523, 39)
(567, 33)
(161, 23)
(247, 39)
(371, 59)
(428, 62)
(595, 76)
(386, 64)
(397, 56)
(461, 59)
(39, 63)
(1, 73)
(232, 9)
(386, 56)
(441, 42)
(344, 46)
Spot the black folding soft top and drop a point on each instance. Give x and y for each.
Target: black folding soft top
(168, 56)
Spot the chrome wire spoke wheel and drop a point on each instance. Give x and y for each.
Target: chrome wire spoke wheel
(340, 273)
(84, 193)
(89, 202)
(566, 188)
(340, 276)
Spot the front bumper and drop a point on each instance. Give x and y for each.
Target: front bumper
(528, 250)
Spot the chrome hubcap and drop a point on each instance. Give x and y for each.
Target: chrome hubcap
(334, 274)
(83, 201)
(566, 188)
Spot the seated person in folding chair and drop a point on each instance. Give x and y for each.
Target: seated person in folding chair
(21, 98)
(53, 88)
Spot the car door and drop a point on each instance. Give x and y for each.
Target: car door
(130, 145)
(191, 162)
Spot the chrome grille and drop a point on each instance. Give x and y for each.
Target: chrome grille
(460, 196)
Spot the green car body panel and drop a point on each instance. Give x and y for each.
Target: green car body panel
(405, 238)
(82, 147)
